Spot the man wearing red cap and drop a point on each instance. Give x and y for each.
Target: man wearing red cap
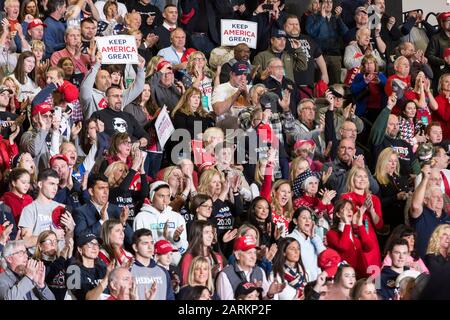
(69, 189)
(437, 45)
(44, 139)
(164, 88)
(446, 57)
(35, 29)
(245, 269)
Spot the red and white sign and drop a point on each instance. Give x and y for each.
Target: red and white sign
(120, 49)
(234, 32)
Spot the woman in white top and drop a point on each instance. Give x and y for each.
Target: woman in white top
(288, 268)
(24, 74)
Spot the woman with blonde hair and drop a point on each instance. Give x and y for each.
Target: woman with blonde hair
(199, 76)
(210, 138)
(280, 199)
(151, 66)
(438, 250)
(182, 187)
(443, 102)
(123, 182)
(394, 188)
(55, 261)
(358, 192)
(227, 204)
(199, 274)
(298, 165)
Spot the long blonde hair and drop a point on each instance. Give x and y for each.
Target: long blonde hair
(196, 263)
(434, 243)
(293, 172)
(206, 178)
(191, 66)
(151, 65)
(276, 206)
(351, 175)
(380, 169)
(109, 173)
(183, 104)
(441, 80)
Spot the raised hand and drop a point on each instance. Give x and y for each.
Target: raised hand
(151, 293)
(76, 128)
(104, 212)
(68, 222)
(326, 175)
(286, 101)
(40, 275)
(271, 252)
(4, 235)
(276, 287)
(229, 235)
(178, 231)
(392, 101)
(31, 269)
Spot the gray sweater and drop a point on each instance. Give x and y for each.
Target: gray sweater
(14, 288)
(91, 98)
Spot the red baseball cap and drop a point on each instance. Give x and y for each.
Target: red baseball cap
(446, 53)
(245, 243)
(41, 108)
(187, 53)
(161, 64)
(164, 247)
(328, 261)
(300, 143)
(56, 157)
(443, 16)
(35, 23)
(56, 216)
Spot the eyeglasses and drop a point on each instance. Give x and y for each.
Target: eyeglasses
(116, 95)
(206, 206)
(128, 142)
(93, 244)
(20, 253)
(47, 116)
(49, 241)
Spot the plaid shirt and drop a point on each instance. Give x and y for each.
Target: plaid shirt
(275, 122)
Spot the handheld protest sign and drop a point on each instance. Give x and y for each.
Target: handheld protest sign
(234, 32)
(118, 49)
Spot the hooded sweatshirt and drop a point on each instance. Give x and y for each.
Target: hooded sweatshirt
(154, 220)
(16, 203)
(146, 275)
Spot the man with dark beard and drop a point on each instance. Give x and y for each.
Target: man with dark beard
(304, 79)
(23, 279)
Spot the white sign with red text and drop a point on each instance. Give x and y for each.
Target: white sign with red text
(234, 32)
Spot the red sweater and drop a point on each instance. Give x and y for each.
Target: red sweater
(314, 203)
(388, 88)
(352, 249)
(374, 256)
(16, 203)
(442, 115)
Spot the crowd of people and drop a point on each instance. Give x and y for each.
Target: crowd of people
(312, 167)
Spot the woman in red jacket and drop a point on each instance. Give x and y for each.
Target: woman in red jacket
(442, 114)
(359, 194)
(349, 237)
